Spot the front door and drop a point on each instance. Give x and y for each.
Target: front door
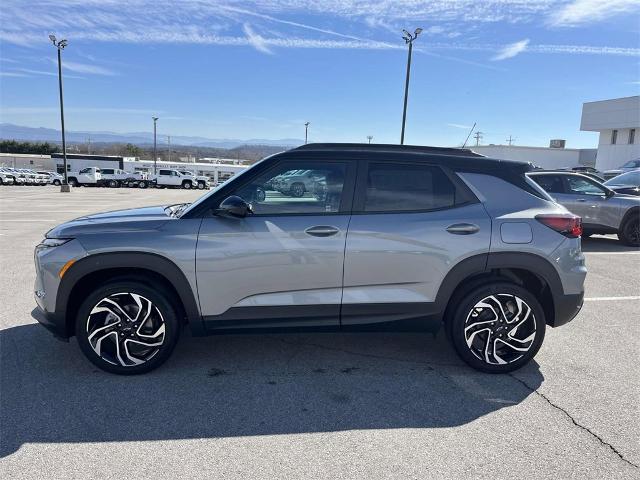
(585, 198)
(282, 264)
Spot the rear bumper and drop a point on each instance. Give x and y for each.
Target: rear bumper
(566, 308)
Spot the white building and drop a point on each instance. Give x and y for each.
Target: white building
(544, 157)
(618, 122)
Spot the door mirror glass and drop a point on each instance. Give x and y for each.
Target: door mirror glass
(234, 206)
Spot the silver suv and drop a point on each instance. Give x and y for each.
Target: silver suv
(602, 210)
(402, 237)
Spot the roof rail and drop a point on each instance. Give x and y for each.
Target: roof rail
(381, 147)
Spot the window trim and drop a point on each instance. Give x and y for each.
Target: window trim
(360, 194)
(346, 201)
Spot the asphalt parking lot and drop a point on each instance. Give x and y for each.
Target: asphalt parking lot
(314, 406)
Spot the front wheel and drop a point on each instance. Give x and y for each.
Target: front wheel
(630, 232)
(126, 327)
(57, 182)
(73, 182)
(142, 184)
(497, 328)
(113, 184)
(186, 185)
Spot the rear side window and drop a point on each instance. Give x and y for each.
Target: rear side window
(550, 183)
(407, 187)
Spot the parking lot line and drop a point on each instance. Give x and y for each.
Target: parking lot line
(610, 299)
(612, 253)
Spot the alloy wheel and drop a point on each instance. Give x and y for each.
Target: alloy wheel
(500, 329)
(125, 329)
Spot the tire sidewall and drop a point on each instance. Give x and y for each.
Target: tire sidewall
(172, 326)
(468, 302)
(626, 230)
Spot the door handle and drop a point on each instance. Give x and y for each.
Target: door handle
(321, 231)
(582, 200)
(463, 229)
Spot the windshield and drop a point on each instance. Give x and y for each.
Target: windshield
(631, 164)
(629, 178)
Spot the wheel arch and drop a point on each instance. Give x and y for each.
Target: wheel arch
(633, 211)
(158, 271)
(533, 272)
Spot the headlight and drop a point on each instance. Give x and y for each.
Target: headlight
(52, 242)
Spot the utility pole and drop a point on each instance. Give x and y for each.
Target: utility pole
(60, 46)
(408, 39)
(155, 154)
(369, 137)
(478, 137)
(169, 143)
(89, 145)
(306, 132)
(510, 140)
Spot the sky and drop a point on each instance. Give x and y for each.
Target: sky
(262, 68)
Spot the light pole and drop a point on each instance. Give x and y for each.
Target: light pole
(60, 46)
(369, 137)
(408, 38)
(306, 132)
(155, 156)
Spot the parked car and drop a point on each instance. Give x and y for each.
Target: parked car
(627, 167)
(6, 178)
(115, 177)
(30, 176)
(404, 237)
(89, 177)
(203, 180)
(627, 183)
(173, 178)
(52, 178)
(603, 211)
(18, 178)
(299, 182)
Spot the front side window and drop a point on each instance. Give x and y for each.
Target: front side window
(550, 183)
(406, 188)
(164, 172)
(296, 188)
(582, 186)
(632, 136)
(614, 137)
(85, 170)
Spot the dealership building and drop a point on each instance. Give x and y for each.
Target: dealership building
(618, 123)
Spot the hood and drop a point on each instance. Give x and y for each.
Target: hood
(134, 219)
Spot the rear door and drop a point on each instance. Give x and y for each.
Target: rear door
(411, 223)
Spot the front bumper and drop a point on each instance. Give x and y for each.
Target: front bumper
(51, 322)
(566, 308)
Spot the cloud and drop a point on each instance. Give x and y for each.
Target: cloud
(459, 125)
(12, 74)
(86, 68)
(579, 12)
(44, 110)
(511, 50)
(255, 40)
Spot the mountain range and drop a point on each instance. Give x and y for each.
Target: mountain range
(9, 131)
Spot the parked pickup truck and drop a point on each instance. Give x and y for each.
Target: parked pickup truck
(114, 178)
(90, 176)
(203, 180)
(173, 178)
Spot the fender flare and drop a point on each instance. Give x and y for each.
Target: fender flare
(139, 260)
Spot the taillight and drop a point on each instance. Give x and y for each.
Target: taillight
(566, 224)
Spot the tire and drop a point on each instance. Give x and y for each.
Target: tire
(57, 183)
(142, 184)
(297, 190)
(629, 234)
(112, 184)
(104, 311)
(186, 185)
(494, 348)
(200, 185)
(73, 182)
(261, 195)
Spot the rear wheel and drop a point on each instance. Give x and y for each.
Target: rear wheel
(73, 182)
(186, 185)
(57, 182)
(126, 327)
(201, 185)
(297, 190)
(113, 184)
(630, 232)
(497, 328)
(142, 184)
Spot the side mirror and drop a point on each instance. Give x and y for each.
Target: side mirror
(234, 206)
(609, 193)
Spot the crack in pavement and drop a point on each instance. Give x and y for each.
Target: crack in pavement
(573, 420)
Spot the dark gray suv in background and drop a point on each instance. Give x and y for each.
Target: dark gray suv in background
(401, 237)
